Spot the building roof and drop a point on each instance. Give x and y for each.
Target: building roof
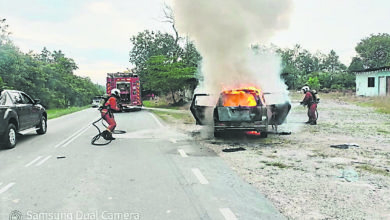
(377, 69)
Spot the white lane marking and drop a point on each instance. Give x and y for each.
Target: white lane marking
(33, 161)
(78, 135)
(182, 153)
(42, 161)
(200, 176)
(158, 121)
(228, 214)
(71, 137)
(7, 187)
(67, 139)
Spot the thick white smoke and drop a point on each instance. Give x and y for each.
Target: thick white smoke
(223, 31)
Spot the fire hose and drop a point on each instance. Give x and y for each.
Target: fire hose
(99, 135)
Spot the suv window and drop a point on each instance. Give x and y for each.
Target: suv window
(26, 99)
(8, 101)
(17, 99)
(3, 98)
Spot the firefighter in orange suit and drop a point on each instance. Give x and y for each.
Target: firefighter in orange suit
(107, 110)
(310, 101)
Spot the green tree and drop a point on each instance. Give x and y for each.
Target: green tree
(299, 67)
(313, 83)
(1, 83)
(332, 64)
(374, 51)
(356, 65)
(167, 76)
(150, 43)
(298, 64)
(50, 79)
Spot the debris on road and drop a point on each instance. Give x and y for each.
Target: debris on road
(344, 146)
(61, 157)
(284, 133)
(281, 133)
(234, 149)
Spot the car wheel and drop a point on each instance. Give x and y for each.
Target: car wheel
(42, 127)
(10, 137)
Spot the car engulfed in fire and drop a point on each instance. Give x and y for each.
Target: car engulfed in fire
(243, 109)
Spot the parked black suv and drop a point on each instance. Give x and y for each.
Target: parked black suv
(18, 113)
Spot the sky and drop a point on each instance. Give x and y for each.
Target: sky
(96, 33)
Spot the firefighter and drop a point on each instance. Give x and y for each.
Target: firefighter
(107, 112)
(310, 101)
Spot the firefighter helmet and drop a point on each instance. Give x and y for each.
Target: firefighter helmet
(115, 92)
(305, 89)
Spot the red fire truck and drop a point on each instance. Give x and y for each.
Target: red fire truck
(129, 86)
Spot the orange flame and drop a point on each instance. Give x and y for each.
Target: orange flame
(241, 97)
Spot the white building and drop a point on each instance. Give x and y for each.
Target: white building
(373, 82)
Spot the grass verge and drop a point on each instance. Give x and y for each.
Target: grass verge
(55, 113)
(159, 104)
(380, 103)
(373, 170)
(172, 117)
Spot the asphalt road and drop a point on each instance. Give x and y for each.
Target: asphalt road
(151, 172)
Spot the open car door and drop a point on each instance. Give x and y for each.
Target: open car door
(202, 108)
(278, 106)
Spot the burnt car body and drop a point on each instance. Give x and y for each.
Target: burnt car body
(239, 110)
(18, 113)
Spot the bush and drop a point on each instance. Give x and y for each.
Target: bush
(314, 83)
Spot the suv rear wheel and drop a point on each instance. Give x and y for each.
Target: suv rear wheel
(42, 127)
(9, 138)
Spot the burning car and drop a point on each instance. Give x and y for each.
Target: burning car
(243, 109)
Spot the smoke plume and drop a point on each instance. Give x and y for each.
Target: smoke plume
(223, 31)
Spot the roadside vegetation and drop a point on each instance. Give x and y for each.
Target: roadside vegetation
(175, 116)
(162, 103)
(48, 75)
(381, 104)
(373, 170)
(325, 71)
(55, 113)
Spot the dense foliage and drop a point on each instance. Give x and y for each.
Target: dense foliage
(166, 75)
(320, 71)
(300, 67)
(47, 76)
(165, 63)
(373, 51)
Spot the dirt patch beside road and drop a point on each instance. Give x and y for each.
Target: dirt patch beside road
(307, 179)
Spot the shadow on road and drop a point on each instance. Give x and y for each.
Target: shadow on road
(22, 139)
